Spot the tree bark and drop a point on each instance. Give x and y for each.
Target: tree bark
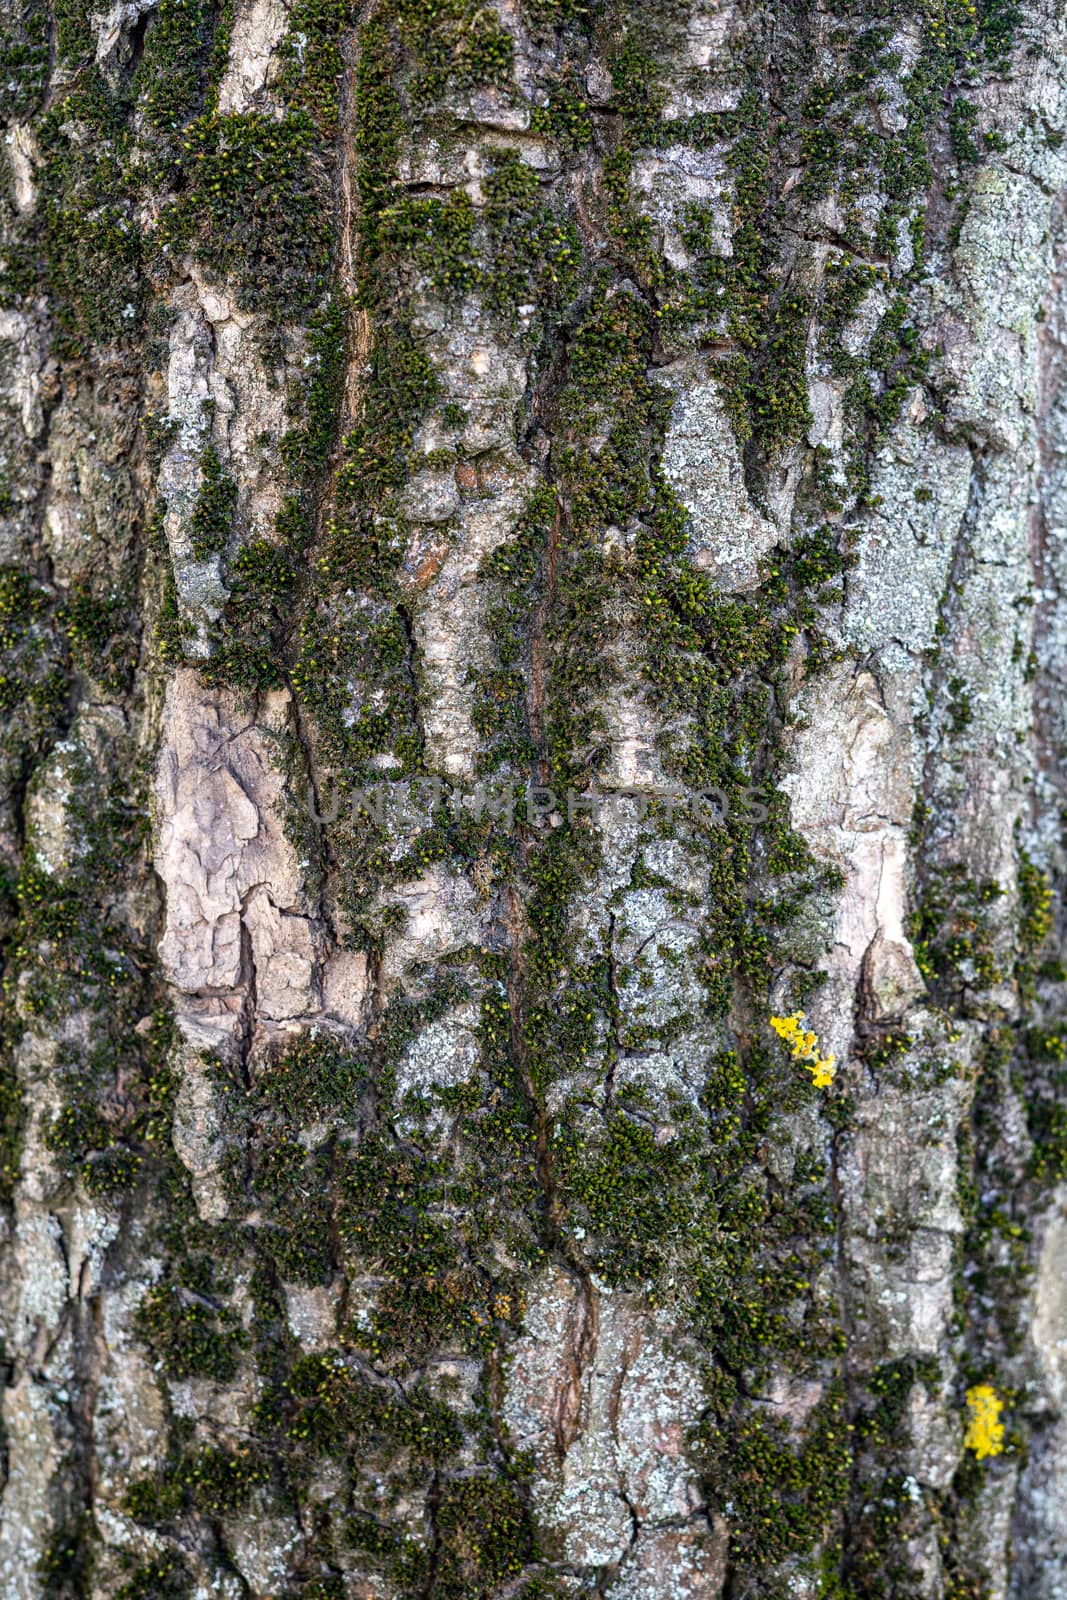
(533, 1020)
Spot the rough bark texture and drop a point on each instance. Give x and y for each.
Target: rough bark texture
(534, 541)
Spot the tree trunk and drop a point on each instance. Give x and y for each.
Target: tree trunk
(535, 557)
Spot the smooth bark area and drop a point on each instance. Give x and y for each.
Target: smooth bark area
(532, 799)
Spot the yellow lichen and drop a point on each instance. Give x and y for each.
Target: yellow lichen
(985, 1432)
(806, 1048)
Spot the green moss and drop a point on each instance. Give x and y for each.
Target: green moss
(556, 13)
(74, 33)
(960, 710)
(33, 685)
(848, 284)
(634, 1196)
(1046, 1115)
(153, 1499)
(566, 117)
(307, 448)
(402, 384)
(950, 931)
(12, 1113)
(1048, 1130)
(164, 1577)
(963, 125)
(378, 123)
(312, 63)
(218, 1482)
(315, 1076)
(652, 1209)
(65, 1567)
(891, 1385)
(779, 394)
(66, 945)
(24, 61)
(212, 519)
(486, 53)
(97, 630)
(784, 1499)
(395, 1208)
(456, 44)
(254, 209)
(190, 1331)
(433, 236)
(171, 76)
(535, 254)
(87, 244)
(298, 1208)
(262, 581)
(89, 1147)
(998, 22)
(485, 1536)
(330, 1408)
(638, 94)
(1035, 905)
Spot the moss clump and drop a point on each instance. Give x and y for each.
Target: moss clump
(307, 448)
(997, 22)
(635, 1197)
(891, 1386)
(566, 118)
(24, 62)
(314, 1077)
(963, 125)
(264, 578)
(88, 1145)
(86, 247)
(297, 1206)
(212, 1481)
(534, 254)
(212, 520)
(217, 1482)
(11, 1112)
(951, 931)
(165, 1577)
(401, 385)
(784, 1498)
(433, 237)
(33, 685)
(457, 44)
(1035, 905)
(639, 94)
(486, 54)
(378, 126)
(778, 391)
(556, 13)
(395, 1208)
(312, 64)
(171, 77)
(190, 1330)
(1046, 1117)
(485, 1534)
(96, 627)
(254, 209)
(329, 1407)
(65, 1567)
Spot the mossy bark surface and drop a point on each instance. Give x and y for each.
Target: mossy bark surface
(533, 582)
